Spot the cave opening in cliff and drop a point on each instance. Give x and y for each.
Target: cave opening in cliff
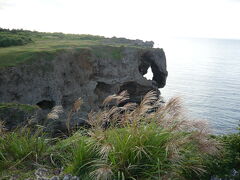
(46, 104)
(150, 70)
(136, 91)
(149, 74)
(102, 90)
(145, 67)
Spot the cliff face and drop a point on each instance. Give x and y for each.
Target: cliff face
(91, 73)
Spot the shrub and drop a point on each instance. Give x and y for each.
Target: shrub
(229, 160)
(13, 40)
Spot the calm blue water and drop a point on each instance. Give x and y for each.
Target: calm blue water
(206, 74)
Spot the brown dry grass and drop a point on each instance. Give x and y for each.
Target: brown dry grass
(75, 108)
(170, 116)
(2, 127)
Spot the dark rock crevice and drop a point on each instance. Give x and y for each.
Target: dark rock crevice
(136, 91)
(103, 90)
(46, 104)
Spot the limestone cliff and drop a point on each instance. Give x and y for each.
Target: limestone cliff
(91, 73)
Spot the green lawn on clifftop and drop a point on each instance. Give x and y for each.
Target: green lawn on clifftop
(14, 49)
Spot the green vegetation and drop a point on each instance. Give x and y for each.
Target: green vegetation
(230, 158)
(8, 39)
(15, 114)
(115, 53)
(20, 149)
(21, 46)
(24, 107)
(125, 143)
(13, 38)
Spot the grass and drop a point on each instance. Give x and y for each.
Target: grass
(139, 145)
(230, 158)
(24, 107)
(40, 50)
(47, 45)
(21, 149)
(125, 142)
(109, 52)
(49, 49)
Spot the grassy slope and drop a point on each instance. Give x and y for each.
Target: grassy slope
(24, 107)
(48, 44)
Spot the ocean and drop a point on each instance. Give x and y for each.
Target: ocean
(205, 73)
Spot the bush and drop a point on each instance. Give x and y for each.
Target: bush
(13, 40)
(229, 160)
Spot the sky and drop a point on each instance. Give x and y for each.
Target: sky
(135, 19)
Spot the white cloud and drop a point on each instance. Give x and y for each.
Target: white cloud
(4, 4)
(129, 18)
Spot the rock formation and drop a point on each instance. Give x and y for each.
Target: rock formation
(91, 73)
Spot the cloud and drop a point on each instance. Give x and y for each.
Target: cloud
(234, 1)
(132, 19)
(5, 3)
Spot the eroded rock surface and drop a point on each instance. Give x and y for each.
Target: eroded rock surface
(91, 73)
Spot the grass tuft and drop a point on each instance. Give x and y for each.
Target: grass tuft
(138, 144)
(21, 148)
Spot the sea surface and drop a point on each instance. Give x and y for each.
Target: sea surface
(205, 73)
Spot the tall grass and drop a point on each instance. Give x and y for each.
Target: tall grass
(142, 141)
(149, 140)
(21, 148)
